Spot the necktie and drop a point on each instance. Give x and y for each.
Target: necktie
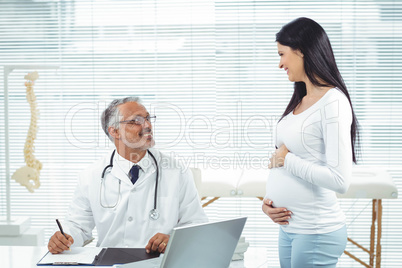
(134, 173)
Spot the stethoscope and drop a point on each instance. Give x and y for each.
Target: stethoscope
(153, 213)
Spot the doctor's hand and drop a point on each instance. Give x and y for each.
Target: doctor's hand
(157, 243)
(278, 157)
(277, 215)
(59, 243)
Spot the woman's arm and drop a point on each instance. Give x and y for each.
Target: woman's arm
(335, 173)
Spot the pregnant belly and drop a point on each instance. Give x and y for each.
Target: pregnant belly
(286, 190)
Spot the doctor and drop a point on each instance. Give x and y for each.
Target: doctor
(135, 195)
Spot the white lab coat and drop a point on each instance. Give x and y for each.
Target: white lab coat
(128, 224)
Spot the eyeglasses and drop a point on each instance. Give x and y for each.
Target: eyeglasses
(139, 120)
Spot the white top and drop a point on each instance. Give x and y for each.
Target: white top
(318, 165)
(128, 224)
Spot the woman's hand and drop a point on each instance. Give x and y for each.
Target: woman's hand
(277, 215)
(278, 157)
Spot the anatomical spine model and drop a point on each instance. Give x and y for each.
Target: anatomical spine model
(28, 175)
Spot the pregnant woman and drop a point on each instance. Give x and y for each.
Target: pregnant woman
(315, 138)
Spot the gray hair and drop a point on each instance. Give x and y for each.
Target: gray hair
(110, 116)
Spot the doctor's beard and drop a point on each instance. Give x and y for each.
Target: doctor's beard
(145, 142)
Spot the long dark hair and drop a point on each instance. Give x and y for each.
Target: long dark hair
(310, 38)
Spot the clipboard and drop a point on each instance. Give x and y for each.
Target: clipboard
(112, 256)
(96, 256)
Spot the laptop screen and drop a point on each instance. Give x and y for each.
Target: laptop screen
(204, 245)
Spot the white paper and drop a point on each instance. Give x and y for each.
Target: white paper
(81, 255)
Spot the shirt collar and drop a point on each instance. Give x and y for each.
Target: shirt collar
(146, 163)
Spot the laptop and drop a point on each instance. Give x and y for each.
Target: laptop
(204, 245)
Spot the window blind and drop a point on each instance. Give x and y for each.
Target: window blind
(209, 71)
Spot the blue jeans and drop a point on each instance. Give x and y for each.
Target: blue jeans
(311, 250)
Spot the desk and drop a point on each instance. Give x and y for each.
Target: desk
(27, 257)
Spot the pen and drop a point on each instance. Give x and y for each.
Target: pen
(61, 230)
